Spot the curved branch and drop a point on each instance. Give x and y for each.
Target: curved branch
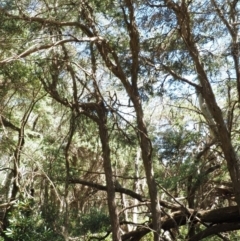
(36, 48)
(221, 16)
(126, 191)
(104, 188)
(224, 227)
(177, 76)
(222, 219)
(6, 123)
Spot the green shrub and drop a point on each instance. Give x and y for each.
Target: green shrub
(26, 224)
(95, 221)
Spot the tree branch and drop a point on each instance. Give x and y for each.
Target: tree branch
(224, 219)
(7, 123)
(123, 190)
(37, 48)
(177, 76)
(212, 230)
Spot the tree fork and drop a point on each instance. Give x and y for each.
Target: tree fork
(185, 31)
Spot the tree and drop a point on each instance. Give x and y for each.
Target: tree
(120, 81)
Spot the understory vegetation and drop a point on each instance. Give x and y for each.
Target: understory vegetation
(119, 120)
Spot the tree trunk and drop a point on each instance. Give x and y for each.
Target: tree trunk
(136, 185)
(103, 132)
(185, 31)
(146, 148)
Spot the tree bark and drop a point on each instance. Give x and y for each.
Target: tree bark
(222, 219)
(103, 132)
(136, 185)
(146, 148)
(222, 133)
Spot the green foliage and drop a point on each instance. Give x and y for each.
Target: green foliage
(148, 237)
(95, 221)
(45, 56)
(175, 145)
(26, 224)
